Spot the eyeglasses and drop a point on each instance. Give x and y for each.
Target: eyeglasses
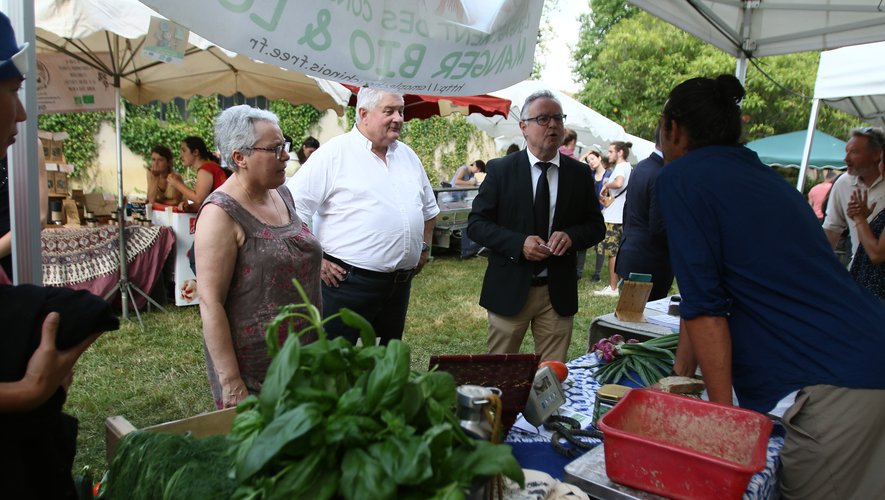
(543, 120)
(277, 151)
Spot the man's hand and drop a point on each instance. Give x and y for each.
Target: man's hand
(858, 207)
(332, 273)
(559, 243)
(48, 367)
(421, 262)
(535, 249)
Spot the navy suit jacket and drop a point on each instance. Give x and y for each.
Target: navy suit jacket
(502, 218)
(643, 247)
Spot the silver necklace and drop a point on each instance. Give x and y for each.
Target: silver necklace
(279, 215)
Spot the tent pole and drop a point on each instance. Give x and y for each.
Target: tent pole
(809, 140)
(24, 178)
(125, 287)
(740, 69)
(121, 206)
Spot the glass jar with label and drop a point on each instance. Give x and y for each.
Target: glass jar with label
(606, 398)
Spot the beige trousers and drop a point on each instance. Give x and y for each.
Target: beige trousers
(835, 444)
(552, 332)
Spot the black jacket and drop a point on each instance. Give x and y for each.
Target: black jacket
(39, 445)
(502, 218)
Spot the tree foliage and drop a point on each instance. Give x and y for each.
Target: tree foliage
(81, 149)
(143, 128)
(440, 141)
(628, 61)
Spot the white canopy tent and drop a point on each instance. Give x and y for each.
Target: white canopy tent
(771, 27)
(108, 36)
(592, 127)
(851, 79)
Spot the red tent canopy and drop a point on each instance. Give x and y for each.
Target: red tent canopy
(425, 106)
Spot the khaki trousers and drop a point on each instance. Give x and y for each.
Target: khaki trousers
(835, 444)
(552, 332)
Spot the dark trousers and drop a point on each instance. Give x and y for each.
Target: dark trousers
(382, 302)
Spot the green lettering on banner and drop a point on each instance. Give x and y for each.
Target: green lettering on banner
(385, 48)
(233, 7)
(447, 65)
(478, 64)
(388, 20)
(361, 36)
(414, 56)
(406, 22)
(321, 31)
(274, 19)
(359, 8)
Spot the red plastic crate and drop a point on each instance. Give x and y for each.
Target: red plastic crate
(682, 447)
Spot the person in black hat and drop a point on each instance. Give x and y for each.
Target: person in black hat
(37, 350)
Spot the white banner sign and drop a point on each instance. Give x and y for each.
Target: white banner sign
(436, 47)
(65, 85)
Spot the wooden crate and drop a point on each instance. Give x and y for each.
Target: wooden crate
(207, 424)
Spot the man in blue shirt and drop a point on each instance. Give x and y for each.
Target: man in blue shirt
(767, 307)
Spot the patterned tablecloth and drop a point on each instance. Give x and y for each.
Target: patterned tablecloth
(580, 390)
(88, 258)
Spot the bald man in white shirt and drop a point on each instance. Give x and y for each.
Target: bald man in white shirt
(376, 212)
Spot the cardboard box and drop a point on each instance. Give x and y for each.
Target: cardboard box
(60, 187)
(53, 147)
(207, 424)
(99, 205)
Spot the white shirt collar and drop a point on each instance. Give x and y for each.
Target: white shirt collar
(533, 160)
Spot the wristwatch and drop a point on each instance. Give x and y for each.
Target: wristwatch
(424, 247)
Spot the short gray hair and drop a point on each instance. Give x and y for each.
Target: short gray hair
(368, 98)
(875, 136)
(541, 94)
(235, 130)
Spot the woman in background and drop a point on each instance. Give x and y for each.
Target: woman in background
(307, 148)
(210, 175)
(159, 189)
(250, 245)
(465, 176)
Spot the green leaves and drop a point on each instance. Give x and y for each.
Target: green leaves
(335, 420)
(649, 361)
(386, 382)
(279, 433)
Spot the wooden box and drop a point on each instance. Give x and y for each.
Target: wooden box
(207, 424)
(60, 183)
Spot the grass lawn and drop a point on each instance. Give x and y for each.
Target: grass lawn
(158, 373)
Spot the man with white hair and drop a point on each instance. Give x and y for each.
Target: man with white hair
(376, 211)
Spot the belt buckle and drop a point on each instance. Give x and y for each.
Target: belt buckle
(402, 276)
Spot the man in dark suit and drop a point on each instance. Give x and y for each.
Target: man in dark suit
(534, 210)
(644, 244)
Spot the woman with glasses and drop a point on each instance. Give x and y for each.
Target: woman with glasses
(210, 175)
(250, 245)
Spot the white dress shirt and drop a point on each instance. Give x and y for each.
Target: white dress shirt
(552, 180)
(370, 214)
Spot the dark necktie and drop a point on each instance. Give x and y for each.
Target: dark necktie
(542, 210)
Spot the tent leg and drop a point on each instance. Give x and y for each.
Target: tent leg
(809, 140)
(124, 285)
(740, 68)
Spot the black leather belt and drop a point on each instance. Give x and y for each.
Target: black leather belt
(539, 281)
(399, 276)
